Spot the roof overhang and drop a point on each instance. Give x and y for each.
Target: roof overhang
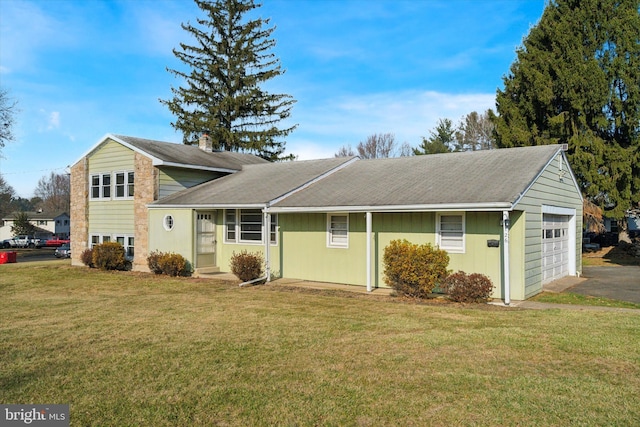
(209, 206)
(452, 207)
(154, 160)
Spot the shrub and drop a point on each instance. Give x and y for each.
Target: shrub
(171, 264)
(247, 265)
(87, 258)
(414, 270)
(463, 287)
(153, 261)
(109, 256)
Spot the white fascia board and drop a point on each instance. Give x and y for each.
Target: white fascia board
(158, 162)
(479, 207)
(209, 206)
(119, 141)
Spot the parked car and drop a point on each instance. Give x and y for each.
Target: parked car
(63, 251)
(55, 242)
(22, 241)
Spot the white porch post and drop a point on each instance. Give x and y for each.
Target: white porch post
(267, 244)
(368, 263)
(505, 257)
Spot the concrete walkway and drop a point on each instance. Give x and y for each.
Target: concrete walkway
(557, 286)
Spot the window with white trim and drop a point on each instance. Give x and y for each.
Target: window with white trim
(101, 186)
(124, 185)
(96, 239)
(338, 230)
(127, 243)
(246, 226)
(450, 232)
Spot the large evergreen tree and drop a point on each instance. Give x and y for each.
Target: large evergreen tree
(221, 94)
(576, 81)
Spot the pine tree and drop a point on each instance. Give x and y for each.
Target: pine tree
(222, 94)
(576, 81)
(441, 140)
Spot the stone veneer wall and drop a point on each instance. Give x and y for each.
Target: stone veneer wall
(79, 214)
(145, 192)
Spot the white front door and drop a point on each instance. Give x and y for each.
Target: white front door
(555, 247)
(205, 239)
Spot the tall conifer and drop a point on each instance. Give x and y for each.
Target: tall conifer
(576, 81)
(221, 95)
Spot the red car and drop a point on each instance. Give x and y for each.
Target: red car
(55, 242)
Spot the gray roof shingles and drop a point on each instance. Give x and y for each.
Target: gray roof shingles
(254, 184)
(469, 178)
(191, 155)
(481, 177)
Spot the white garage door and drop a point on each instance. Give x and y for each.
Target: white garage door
(555, 247)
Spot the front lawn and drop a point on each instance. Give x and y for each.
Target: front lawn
(136, 349)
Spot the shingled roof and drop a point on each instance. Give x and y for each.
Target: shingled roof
(491, 178)
(184, 156)
(255, 185)
(481, 179)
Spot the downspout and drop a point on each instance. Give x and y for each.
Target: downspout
(368, 263)
(267, 244)
(505, 256)
(266, 235)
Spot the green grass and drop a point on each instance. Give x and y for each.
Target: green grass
(133, 349)
(578, 299)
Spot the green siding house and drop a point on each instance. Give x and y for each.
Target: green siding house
(514, 215)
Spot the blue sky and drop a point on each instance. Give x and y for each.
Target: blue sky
(80, 69)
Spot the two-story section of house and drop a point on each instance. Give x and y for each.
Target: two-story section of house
(114, 181)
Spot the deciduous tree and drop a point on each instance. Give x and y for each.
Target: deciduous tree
(377, 146)
(7, 193)
(576, 81)
(55, 192)
(222, 94)
(8, 110)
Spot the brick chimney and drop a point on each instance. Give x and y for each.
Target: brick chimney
(205, 143)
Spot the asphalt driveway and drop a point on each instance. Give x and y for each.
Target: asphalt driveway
(620, 283)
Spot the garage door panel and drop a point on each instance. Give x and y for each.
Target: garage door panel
(555, 247)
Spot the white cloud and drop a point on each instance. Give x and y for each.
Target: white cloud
(409, 115)
(54, 120)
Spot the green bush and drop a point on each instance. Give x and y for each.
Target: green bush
(247, 265)
(87, 258)
(414, 270)
(109, 256)
(463, 287)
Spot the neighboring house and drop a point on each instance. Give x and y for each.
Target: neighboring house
(112, 184)
(47, 224)
(514, 215)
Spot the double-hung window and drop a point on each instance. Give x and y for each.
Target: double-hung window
(450, 232)
(127, 243)
(246, 226)
(124, 185)
(101, 186)
(338, 230)
(96, 239)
